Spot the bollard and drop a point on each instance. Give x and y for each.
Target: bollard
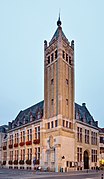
(101, 176)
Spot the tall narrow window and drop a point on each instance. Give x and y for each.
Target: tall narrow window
(52, 81)
(63, 123)
(56, 54)
(48, 59)
(56, 123)
(52, 100)
(35, 132)
(66, 101)
(52, 57)
(79, 134)
(63, 55)
(70, 60)
(48, 125)
(52, 124)
(39, 132)
(67, 81)
(66, 57)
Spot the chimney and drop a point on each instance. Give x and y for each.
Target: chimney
(84, 104)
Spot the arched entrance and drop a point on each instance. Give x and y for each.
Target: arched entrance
(86, 160)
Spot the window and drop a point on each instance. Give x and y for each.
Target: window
(16, 155)
(52, 57)
(11, 155)
(4, 156)
(16, 138)
(70, 60)
(66, 101)
(11, 140)
(37, 132)
(23, 136)
(94, 155)
(67, 82)
(56, 54)
(93, 138)
(79, 134)
(67, 124)
(102, 140)
(37, 153)
(52, 81)
(56, 123)
(52, 100)
(79, 154)
(48, 125)
(48, 59)
(29, 134)
(63, 123)
(22, 154)
(63, 55)
(86, 136)
(52, 124)
(66, 57)
(29, 154)
(70, 125)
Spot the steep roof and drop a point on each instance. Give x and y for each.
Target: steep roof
(56, 35)
(82, 114)
(3, 128)
(33, 113)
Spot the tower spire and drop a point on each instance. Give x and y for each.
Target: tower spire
(59, 21)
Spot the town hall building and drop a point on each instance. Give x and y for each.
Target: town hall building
(56, 134)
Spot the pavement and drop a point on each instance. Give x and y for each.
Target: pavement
(29, 174)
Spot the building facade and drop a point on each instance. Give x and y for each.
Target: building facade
(56, 133)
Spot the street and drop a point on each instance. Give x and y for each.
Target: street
(27, 174)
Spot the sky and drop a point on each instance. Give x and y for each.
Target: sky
(24, 25)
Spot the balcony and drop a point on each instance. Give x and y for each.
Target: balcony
(36, 141)
(28, 162)
(10, 162)
(16, 145)
(21, 162)
(4, 162)
(15, 162)
(22, 144)
(29, 142)
(4, 148)
(10, 146)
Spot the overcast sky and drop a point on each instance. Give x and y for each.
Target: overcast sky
(24, 25)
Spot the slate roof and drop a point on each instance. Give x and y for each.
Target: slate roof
(35, 113)
(82, 114)
(30, 114)
(101, 130)
(56, 35)
(3, 128)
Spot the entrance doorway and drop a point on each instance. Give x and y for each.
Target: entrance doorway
(86, 160)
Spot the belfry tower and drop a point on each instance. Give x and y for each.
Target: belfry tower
(59, 77)
(58, 100)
